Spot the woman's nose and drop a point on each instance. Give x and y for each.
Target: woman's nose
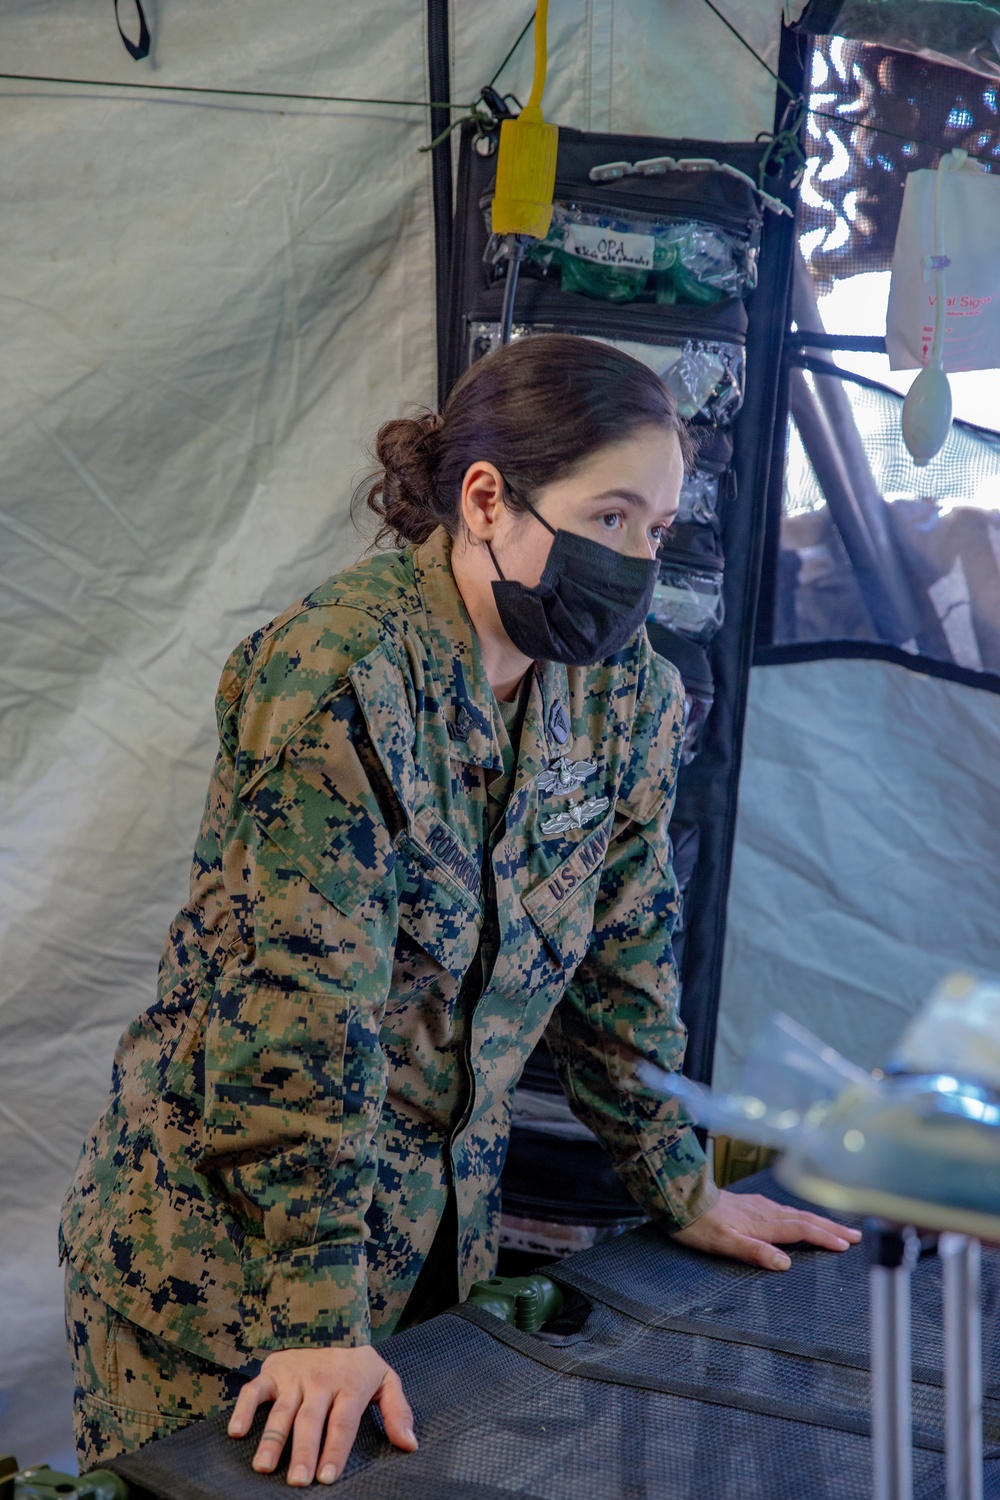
(643, 546)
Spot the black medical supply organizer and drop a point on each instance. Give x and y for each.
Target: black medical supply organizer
(739, 451)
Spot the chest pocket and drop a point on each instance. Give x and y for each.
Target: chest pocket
(562, 904)
(314, 802)
(439, 894)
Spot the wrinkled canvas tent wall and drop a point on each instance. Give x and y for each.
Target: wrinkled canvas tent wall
(207, 304)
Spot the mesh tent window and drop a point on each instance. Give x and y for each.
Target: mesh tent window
(868, 554)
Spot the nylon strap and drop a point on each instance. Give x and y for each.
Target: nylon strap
(139, 49)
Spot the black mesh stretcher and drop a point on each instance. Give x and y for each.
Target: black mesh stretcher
(677, 1377)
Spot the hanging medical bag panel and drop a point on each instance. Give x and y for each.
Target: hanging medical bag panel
(690, 240)
(683, 270)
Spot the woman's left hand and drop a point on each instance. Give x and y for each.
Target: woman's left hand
(747, 1226)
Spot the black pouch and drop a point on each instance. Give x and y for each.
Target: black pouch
(699, 352)
(711, 483)
(699, 686)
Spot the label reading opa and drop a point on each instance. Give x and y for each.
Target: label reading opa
(606, 247)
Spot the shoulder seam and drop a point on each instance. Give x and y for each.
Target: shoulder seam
(387, 630)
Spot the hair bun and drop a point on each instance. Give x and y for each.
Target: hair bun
(404, 494)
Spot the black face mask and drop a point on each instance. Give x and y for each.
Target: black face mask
(589, 601)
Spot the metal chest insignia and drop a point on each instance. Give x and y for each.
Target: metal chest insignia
(565, 775)
(575, 817)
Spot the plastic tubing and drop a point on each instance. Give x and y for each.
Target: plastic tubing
(940, 280)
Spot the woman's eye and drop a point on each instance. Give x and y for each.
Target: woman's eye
(612, 520)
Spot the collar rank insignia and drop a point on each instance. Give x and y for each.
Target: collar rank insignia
(463, 725)
(565, 775)
(559, 725)
(575, 817)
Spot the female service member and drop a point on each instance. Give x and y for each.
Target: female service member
(436, 829)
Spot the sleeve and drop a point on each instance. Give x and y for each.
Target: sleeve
(626, 988)
(294, 1073)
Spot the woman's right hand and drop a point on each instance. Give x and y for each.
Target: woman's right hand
(317, 1389)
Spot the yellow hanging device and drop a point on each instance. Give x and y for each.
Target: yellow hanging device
(526, 164)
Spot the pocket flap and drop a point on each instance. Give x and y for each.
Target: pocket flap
(439, 893)
(561, 905)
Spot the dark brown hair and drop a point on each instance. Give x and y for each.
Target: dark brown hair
(535, 409)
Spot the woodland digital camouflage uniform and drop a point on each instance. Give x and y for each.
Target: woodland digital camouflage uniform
(350, 993)
(131, 1386)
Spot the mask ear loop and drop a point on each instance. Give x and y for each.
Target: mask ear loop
(521, 500)
(493, 558)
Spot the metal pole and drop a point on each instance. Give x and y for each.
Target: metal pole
(895, 1254)
(963, 1366)
(861, 510)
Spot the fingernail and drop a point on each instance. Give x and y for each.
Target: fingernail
(263, 1465)
(327, 1474)
(235, 1429)
(410, 1435)
(843, 1244)
(300, 1474)
(781, 1262)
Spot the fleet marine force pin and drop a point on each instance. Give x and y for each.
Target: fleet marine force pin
(565, 775)
(575, 817)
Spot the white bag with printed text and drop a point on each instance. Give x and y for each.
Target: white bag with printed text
(969, 233)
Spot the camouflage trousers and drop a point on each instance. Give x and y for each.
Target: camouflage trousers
(130, 1386)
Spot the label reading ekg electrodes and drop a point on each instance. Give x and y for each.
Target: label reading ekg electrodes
(608, 247)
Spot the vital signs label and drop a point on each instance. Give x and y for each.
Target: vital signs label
(608, 247)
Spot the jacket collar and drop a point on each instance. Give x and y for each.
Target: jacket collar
(465, 697)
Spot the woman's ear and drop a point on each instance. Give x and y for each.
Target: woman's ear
(482, 499)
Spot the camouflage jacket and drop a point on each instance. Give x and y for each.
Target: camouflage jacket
(285, 1122)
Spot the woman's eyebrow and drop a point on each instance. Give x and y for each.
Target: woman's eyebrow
(631, 497)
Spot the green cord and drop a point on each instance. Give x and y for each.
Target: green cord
(187, 88)
(521, 36)
(752, 51)
(785, 142)
(913, 140)
(182, 88)
(472, 113)
(782, 143)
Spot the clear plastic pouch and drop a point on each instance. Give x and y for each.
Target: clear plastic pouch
(616, 255)
(688, 600)
(699, 500)
(706, 379)
(705, 376)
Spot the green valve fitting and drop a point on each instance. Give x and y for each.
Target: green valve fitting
(43, 1483)
(526, 1301)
